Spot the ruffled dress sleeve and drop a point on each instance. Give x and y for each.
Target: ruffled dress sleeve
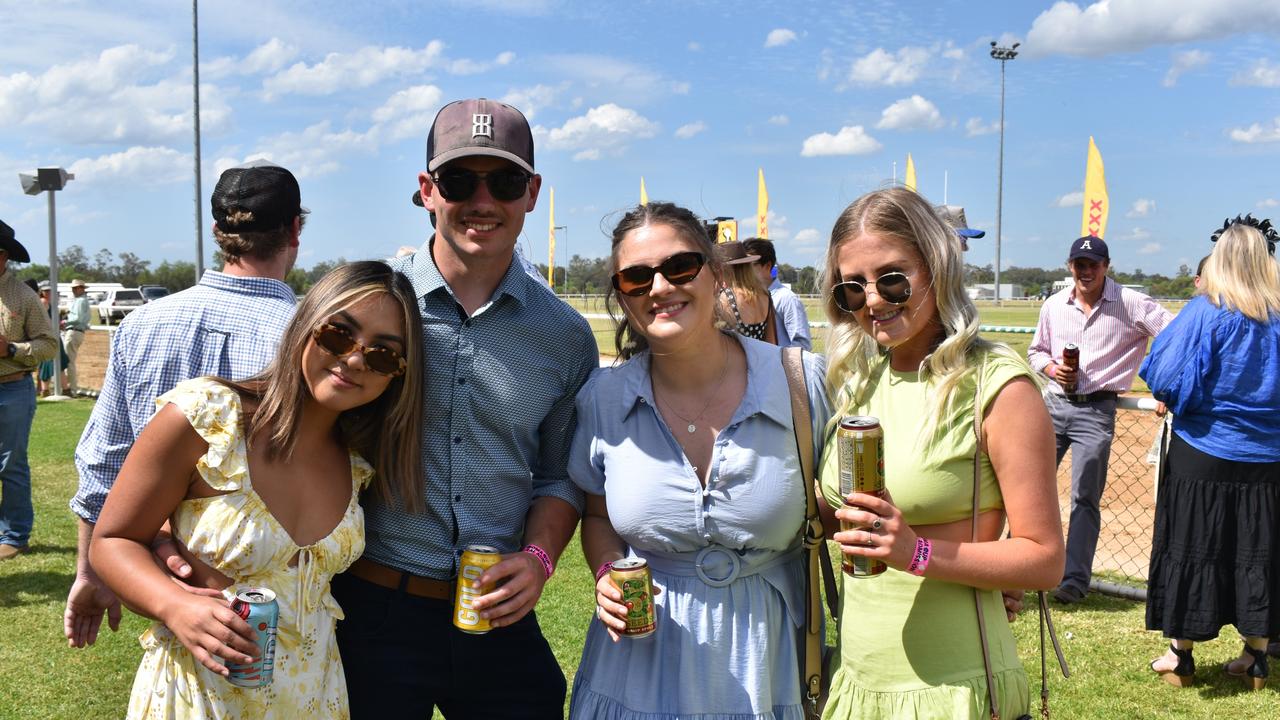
(586, 461)
(213, 409)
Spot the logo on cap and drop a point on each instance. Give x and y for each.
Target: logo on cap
(1086, 245)
(481, 125)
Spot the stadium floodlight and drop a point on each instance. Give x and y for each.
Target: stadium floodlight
(1003, 54)
(51, 180)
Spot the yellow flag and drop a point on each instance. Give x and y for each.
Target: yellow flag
(762, 209)
(644, 196)
(1096, 205)
(551, 239)
(910, 182)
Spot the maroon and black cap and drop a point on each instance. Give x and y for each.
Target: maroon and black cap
(258, 196)
(464, 128)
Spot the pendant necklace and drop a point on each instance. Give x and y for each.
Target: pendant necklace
(693, 422)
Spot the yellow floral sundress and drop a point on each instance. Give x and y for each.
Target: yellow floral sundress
(235, 534)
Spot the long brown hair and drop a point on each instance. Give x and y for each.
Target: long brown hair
(384, 431)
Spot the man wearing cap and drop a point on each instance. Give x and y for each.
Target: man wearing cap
(73, 330)
(25, 339)
(792, 319)
(1111, 325)
(506, 358)
(229, 325)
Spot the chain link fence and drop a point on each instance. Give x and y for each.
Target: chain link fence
(1128, 501)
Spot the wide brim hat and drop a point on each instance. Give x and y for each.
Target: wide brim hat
(10, 244)
(78, 283)
(735, 253)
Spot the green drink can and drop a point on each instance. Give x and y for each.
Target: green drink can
(635, 580)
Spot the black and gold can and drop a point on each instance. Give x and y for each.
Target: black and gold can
(860, 448)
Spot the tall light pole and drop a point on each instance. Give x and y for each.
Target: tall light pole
(567, 256)
(195, 83)
(1003, 54)
(50, 180)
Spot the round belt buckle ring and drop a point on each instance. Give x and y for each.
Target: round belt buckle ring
(735, 566)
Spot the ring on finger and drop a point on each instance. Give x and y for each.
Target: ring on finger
(877, 524)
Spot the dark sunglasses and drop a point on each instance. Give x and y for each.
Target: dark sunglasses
(851, 295)
(677, 269)
(337, 341)
(458, 184)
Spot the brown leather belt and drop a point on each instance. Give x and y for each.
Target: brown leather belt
(14, 376)
(378, 574)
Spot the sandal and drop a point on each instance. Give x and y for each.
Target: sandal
(1255, 675)
(1184, 675)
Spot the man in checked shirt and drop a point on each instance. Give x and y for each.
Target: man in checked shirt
(228, 325)
(1112, 326)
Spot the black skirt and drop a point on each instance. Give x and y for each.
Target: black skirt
(1215, 552)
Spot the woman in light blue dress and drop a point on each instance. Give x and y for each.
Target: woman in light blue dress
(687, 454)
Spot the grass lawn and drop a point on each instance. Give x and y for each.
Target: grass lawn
(41, 678)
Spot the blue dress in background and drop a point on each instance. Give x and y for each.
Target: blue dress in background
(727, 557)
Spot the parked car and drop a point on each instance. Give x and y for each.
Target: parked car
(153, 292)
(118, 303)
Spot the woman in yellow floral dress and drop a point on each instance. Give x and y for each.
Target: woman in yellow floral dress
(260, 480)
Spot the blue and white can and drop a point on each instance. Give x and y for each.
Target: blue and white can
(258, 607)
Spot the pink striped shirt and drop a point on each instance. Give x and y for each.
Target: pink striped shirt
(1112, 339)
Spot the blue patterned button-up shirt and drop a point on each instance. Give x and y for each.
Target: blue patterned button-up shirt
(226, 326)
(498, 417)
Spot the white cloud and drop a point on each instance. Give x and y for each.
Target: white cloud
(694, 46)
(684, 132)
(1262, 74)
(409, 112)
(604, 129)
(779, 120)
(114, 97)
(1124, 26)
(913, 113)
(312, 152)
(807, 239)
(879, 67)
(474, 67)
(779, 37)
(343, 71)
(1071, 199)
(1150, 248)
(851, 140)
(531, 100)
(1137, 234)
(1269, 203)
(974, 127)
(1142, 207)
(268, 57)
(1184, 62)
(137, 165)
(609, 77)
(1257, 133)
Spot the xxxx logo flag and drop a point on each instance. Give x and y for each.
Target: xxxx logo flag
(1096, 205)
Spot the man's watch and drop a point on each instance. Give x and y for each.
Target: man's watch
(12, 350)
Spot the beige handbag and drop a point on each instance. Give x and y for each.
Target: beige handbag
(814, 680)
(1045, 619)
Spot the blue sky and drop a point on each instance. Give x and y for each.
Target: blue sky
(1182, 97)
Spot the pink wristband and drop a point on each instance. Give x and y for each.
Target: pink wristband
(920, 560)
(547, 566)
(604, 568)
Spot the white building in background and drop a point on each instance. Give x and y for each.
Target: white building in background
(987, 291)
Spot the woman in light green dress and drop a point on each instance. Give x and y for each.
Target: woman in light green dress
(905, 348)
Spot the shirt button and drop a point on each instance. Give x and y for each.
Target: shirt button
(707, 537)
(457, 441)
(457, 498)
(466, 323)
(462, 381)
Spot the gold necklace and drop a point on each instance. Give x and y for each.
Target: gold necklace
(693, 423)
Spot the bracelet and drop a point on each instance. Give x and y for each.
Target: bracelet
(920, 560)
(547, 566)
(604, 568)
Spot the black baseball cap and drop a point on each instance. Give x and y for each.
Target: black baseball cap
(1089, 247)
(9, 243)
(464, 128)
(258, 196)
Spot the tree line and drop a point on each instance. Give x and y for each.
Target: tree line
(588, 276)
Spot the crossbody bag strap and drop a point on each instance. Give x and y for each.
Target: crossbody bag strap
(977, 490)
(814, 541)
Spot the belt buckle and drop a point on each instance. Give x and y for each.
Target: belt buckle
(735, 564)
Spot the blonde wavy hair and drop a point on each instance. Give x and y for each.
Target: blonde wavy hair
(1241, 275)
(853, 356)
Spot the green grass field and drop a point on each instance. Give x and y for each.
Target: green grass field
(41, 678)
